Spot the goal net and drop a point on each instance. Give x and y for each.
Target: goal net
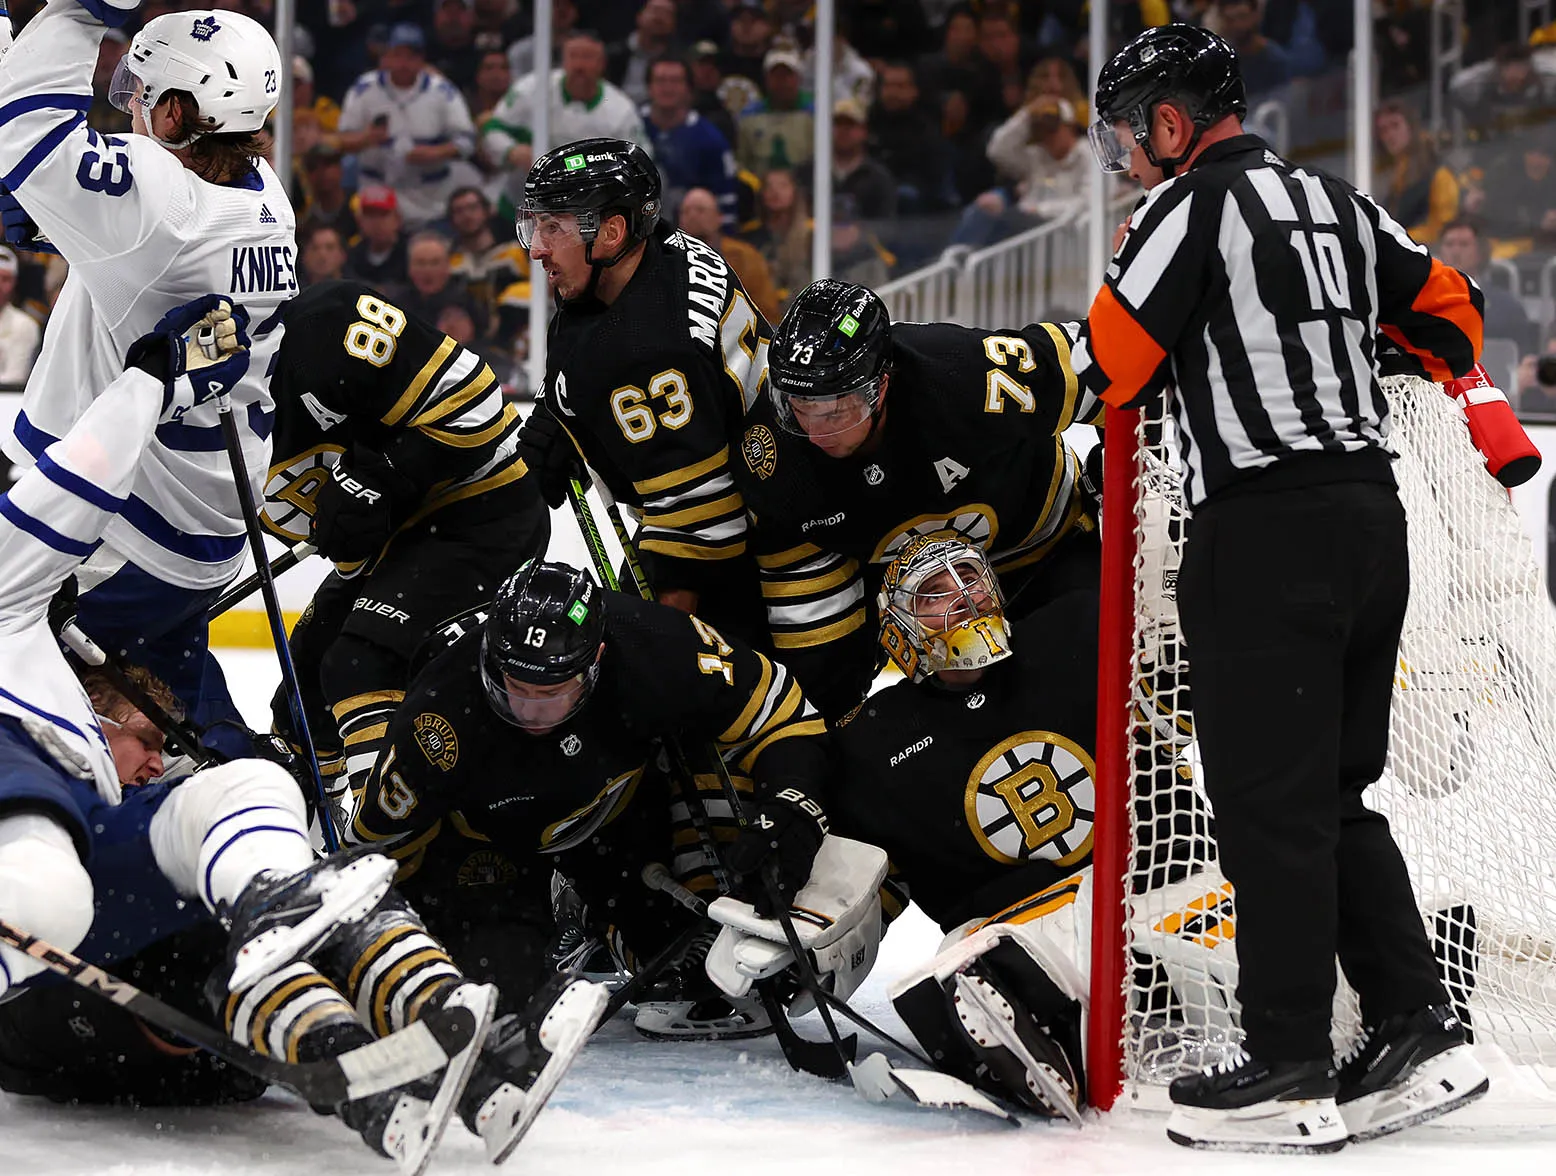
(1470, 787)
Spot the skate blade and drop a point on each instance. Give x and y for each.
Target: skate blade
(355, 890)
(565, 1028)
(1050, 1089)
(667, 1021)
(415, 1150)
(1295, 1127)
(1439, 1085)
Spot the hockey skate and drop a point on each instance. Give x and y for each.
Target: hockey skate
(684, 1005)
(1252, 1106)
(575, 948)
(1409, 1069)
(529, 1053)
(406, 1124)
(281, 917)
(1031, 1067)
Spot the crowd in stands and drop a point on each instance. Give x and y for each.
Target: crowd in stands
(955, 125)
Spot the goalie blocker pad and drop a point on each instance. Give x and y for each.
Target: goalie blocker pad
(837, 918)
(1035, 957)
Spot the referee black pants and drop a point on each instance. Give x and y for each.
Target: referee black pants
(1292, 602)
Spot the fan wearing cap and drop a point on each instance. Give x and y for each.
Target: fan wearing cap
(1037, 150)
(538, 721)
(185, 205)
(19, 331)
(777, 129)
(409, 126)
(654, 353)
(872, 434)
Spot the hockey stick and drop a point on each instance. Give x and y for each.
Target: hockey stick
(267, 587)
(417, 1050)
(175, 730)
(284, 562)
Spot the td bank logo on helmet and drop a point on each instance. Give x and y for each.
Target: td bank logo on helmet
(573, 162)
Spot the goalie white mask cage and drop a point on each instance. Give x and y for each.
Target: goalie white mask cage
(1470, 787)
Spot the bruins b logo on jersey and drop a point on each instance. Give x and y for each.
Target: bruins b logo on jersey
(1033, 796)
(293, 486)
(760, 450)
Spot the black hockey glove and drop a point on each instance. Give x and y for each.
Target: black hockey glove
(358, 508)
(550, 454)
(1394, 360)
(20, 229)
(62, 605)
(781, 841)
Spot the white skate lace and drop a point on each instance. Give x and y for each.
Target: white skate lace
(1238, 1058)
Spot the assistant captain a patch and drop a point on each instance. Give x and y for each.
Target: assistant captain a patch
(760, 450)
(437, 739)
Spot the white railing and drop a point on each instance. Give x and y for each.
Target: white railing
(926, 295)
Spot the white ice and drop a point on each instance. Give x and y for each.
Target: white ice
(640, 1108)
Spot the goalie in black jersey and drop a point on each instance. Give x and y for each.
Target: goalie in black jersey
(875, 433)
(653, 356)
(541, 728)
(396, 456)
(976, 775)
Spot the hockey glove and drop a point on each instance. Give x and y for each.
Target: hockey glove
(198, 350)
(358, 508)
(550, 455)
(113, 13)
(20, 229)
(1511, 457)
(780, 843)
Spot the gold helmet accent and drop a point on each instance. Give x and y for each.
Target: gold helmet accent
(942, 609)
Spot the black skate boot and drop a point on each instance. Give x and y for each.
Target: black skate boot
(684, 1005)
(526, 1056)
(281, 917)
(1252, 1106)
(575, 948)
(1411, 1068)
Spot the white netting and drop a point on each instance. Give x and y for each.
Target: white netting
(1470, 787)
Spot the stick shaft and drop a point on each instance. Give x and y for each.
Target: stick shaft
(245, 587)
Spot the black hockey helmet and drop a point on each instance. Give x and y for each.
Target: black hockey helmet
(545, 628)
(593, 179)
(1179, 63)
(835, 342)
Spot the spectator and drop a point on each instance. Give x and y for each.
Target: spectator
(709, 87)
(492, 79)
(432, 282)
(590, 106)
(500, 23)
(408, 125)
(1461, 246)
(1402, 34)
(456, 321)
(999, 46)
(322, 255)
(521, 54)
(454, 53)
(103, 115)
(652, 37)
(776, 132)
(1519, 210)
(783, 236)
(1504, 94)
(854, 173)
(326, 111)
(1264, 63)
(1056, 76)
(702, 20)
(1038, 150)
(904, 137)
(1536, 393)
(378, 258)
(750, 39)
(700, 217)
(690, 151)
(1413, 187)
(852, 76)
(19, 331)
(890, 29)
(857, 254)
(968, 98)
(328, 201)
(485, 264)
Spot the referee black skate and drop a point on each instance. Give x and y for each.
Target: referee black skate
(1249, 292)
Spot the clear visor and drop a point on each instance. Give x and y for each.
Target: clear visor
(538, 709)
(126, 90)
(1112, 143)
(820, 417)
(553, 230)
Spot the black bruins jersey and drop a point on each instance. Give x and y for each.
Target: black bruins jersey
(357, 371)
(970, 447)
(664, 673)
(652, 390)
(983, 796)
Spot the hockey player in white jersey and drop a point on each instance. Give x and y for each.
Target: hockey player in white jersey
(184, 206)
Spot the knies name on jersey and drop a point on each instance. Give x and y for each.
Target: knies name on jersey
(911, 748)
(257, 268)
(707, 282)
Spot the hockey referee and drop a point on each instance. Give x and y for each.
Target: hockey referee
(1249, 292)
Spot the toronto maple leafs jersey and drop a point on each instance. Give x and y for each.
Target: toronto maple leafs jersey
(970, 446)
(142, 234)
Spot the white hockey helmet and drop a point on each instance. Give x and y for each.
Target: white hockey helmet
(227, 61)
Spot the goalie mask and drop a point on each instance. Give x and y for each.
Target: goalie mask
(942, 609)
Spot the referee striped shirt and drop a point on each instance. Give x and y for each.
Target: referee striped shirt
(1252, 291)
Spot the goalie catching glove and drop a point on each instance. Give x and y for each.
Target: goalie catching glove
(779, 845)
(199, 350)
(837, 918)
